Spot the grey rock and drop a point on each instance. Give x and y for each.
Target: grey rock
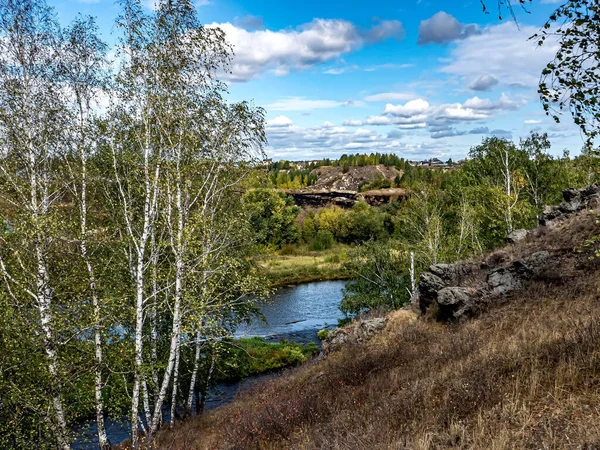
(502, 281)
(441, 270)
(356, 332)
(429, 285)
(537, 259)
(451, 273)
(452, 296)
(576, 200)
(517, 236)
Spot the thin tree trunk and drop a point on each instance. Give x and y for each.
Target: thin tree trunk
(44, 301)
(204, 391)
(190, 399)
(173, 350)
(175, 386)
(103, 441)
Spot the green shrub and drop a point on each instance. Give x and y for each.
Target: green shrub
(288, 250)
(324, 240)
(322, 334)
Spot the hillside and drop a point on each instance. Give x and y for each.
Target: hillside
(519, 367)
(330, 177)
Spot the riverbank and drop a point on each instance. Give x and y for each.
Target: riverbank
(294, 265)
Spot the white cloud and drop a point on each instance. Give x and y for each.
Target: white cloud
(289, 50)
(506, 54)
(280, 121)
(532, 122)
(440, 119)
(331, 141)
(304, 104)
(411, 108)
(386, 97)
(388, 66)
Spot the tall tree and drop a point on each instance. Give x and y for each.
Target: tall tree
(82, 70)
(32, 117)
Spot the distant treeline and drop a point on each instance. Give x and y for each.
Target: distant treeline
(299, 174)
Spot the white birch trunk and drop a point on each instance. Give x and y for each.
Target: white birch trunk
(190, 399)
(175, 387)
(44, 302)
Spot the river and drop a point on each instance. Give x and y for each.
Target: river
(294, 313)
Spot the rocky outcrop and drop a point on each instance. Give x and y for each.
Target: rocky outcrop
(318, 198)
(460, 290)
(576, 200)
(357, 332)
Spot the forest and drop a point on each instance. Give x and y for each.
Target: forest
(134, 217)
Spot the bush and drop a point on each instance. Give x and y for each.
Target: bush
(324, 240)
(288, 250)
(322, 334)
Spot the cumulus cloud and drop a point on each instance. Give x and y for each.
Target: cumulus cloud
(484, 83)
(288, 50)
(386, 97)
(304, 104)
(328, 141)
(443, 28)
(505, 52)
(280, 121)
(410, 109)
(440, 120)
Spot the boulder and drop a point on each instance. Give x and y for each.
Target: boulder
(502, 281)
(507, 279)
(576, 200)
(429, 285)
(517, 236)
(451, 273)
(456, 302)
(357, 332)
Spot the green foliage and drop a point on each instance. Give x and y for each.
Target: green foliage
(571, 80)
(378, 183)
(324, 240)
(322, 334)
(251, 356)
(272, 216)
(377, 280)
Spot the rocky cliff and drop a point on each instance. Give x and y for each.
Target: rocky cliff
(318, 198)
(456, 291)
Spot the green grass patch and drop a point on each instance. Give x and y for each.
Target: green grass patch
(252, 356)
(303, 265)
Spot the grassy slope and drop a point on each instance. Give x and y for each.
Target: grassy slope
(298, 265)
(526, 374)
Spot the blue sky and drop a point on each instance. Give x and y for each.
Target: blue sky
(417, 78)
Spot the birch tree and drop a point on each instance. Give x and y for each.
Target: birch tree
(31, 120)
(496, 163)
(186, 146)
(83, 71)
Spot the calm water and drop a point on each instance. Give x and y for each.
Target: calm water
(294, 313)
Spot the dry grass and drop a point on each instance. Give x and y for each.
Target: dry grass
(525, 375)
